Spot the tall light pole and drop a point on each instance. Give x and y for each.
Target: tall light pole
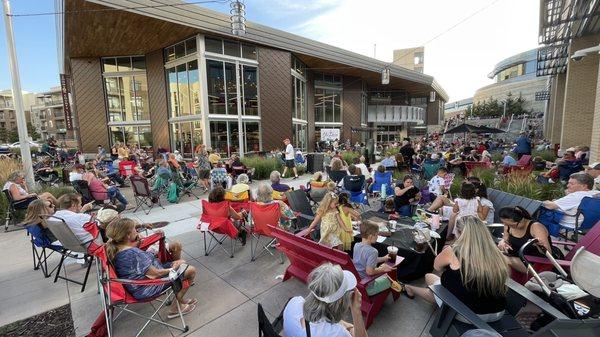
(18, 96)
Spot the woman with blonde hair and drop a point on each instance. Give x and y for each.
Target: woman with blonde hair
(331, 223)
(473, 269)
(133, 263)
(33, 217)
(21, 197)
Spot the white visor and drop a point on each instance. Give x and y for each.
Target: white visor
(348, 284)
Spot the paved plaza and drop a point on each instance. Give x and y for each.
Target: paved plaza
(228, 289)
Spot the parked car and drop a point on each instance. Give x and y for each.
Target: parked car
(4, 148)
(31, 144)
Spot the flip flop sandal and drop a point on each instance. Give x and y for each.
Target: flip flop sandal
(186, 310)
(192, 301)
(399, 288)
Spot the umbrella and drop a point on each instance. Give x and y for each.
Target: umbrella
(464, 128)
(486, 129)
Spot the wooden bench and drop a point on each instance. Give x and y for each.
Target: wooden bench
(502, 199)
(305, 255)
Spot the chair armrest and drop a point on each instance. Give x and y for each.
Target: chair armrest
(150, 240)
(543, 260)
(304, 216)
(564, 243)
(531, 297)
(450, 300)
(146, 282)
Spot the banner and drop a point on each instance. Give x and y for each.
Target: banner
(330, 134)
(64, 90)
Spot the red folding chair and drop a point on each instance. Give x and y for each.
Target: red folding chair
(127, 168)
(215, 222)
(262, 216)
(114, 295)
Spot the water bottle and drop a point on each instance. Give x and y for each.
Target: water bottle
(383, 191)
(435, 222)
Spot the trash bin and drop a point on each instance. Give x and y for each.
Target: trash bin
(314, 162)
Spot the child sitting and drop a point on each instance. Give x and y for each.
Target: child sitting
(365, 259)
(331, 222)
(437, 183)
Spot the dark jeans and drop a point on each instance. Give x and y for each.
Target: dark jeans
(113, 192)
(116, 178)
(404, 210)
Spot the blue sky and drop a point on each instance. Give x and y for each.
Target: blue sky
(459, 59)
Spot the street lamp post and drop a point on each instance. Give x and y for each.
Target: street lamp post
(18, 96)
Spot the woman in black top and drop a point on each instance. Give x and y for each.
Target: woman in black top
(518, 229)
(472, 269)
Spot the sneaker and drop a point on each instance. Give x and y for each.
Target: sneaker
(430, 212)
(296, 177)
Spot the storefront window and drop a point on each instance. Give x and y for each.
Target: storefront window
(252, 134)
(184, 89)
(299, 99)
(300, 136)
(181, 49)
(224, 136)
(327, 105)
(131, 135)
(250, 92)
(186, 136)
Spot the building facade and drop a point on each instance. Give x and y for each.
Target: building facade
(573, 117)
(516, 76)
(48, 116)
(8, 119)
(457, 108)
(410, 58)
(161, 79)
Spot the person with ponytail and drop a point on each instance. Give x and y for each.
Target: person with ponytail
(132, 263)
(518, 229)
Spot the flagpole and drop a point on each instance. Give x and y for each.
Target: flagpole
(18, 96)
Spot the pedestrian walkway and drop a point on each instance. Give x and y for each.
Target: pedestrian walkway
(227, 289)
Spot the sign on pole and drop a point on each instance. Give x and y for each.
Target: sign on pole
(64, 91)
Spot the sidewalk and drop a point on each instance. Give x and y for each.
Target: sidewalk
(227, 289)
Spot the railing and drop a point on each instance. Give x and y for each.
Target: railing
(395, 114)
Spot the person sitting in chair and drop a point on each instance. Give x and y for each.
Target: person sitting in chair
(33, 217)
(264, 196)
(580, 185)
(219, 176)
(21, 197)
(405, 194)
(331, 292)
(135, 264)
(276, 184)
(73, 213)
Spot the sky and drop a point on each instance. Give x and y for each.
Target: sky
(459, 51)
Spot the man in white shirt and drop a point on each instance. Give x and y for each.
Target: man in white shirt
(437, 183)
(580, 186)
(289, 158)
(71, 211)
(77, 173)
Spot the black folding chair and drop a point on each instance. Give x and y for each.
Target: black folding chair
(11, 213)
(337, 176)
(300, 204)
(72, 248)
(82, 188)
(143, 194)
(265, 328)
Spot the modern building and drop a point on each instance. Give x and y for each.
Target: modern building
(410, 58)
(566, 27)
(457, 108)
(48, 116)
(174, 76)
(8, 119)
(517, 75)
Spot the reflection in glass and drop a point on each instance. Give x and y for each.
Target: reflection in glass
(213, 45)
(327, 105)
(250, 91)
(138, 63)
(190, 46)
(218, 136)
(179, 50)
(173, 96)
(145, 136)
(300, 136)
(252, 135)
(194, 78)
(184, 90)
(216, 90)
(231, 48)
(141, 98)
(124, 64)
(231, 91)
(234, 137)
(248, 51)
(110, 64)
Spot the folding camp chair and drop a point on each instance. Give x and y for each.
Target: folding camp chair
(430, 170)
(11, 213)
(185, 184)
(42, 249)
(71, 247)
(115, 295)
(300, 204)
(216, 222)
(589, 209)
(127, 168)
(262, 216)
(82, 187)
(355, 185)
(337, 176)
(143, 194)
(380, 179)
(265, 328)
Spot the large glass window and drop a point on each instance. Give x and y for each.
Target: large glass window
(299, 102)
(327, 105)
(252, 134)
(222, 88)
(181, 49)
(126, 89)
(216, 87)
(508, 73)
(131, 135)
(186, 136)
(230, 48)
(300, 136)
(250, 90)
(184, 89)
(224, 136)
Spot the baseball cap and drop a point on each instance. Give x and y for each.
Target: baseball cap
(348, 284)
(106, 215)
(594, 166)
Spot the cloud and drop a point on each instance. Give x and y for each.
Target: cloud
(460, 59)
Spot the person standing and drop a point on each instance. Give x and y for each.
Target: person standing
(289, 158)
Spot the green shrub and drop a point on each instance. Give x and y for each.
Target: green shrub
(391, 151)
(547, 155)
(263, 166)
(497, 156)
(348, 156)
(486, 175)
(57, 191)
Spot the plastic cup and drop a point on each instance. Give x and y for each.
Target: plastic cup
(393, 252)
(393, 224)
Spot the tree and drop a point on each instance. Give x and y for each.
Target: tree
(3, 135)
(32, 132)
(13, 136)
(495, 108)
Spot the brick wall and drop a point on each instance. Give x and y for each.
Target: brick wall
(559, 104)
(157, 99)
(580, 95)
(90, 106)
(595, 143)
(351, 101)
(275, 97)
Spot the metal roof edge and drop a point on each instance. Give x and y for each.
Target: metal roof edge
(218, 23)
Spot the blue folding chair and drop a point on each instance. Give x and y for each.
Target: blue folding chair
(430, 170)
(589, 208)
(380, 179)
(42, 248)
